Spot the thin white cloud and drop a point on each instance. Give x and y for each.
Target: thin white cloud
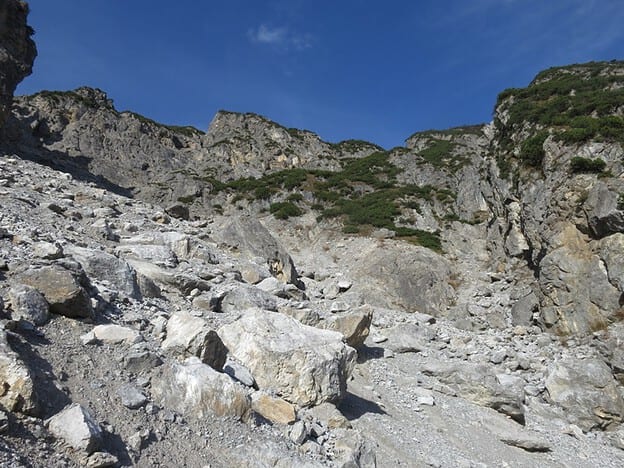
(266, 35)
(279, 37)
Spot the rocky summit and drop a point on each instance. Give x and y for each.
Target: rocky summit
(255, 296)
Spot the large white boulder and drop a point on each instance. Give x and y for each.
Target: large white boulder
(304, 365)
(196, 390)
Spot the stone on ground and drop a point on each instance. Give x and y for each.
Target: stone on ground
(77, 427)
(190, 335)
(28, 304)
(304, 365)
(195, 390)
(15, 380)
(61, 289)
(272, 408)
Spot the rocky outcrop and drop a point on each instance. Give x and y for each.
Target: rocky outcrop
(411, 278)
(17, 51)
(587, 391)
(251, 238)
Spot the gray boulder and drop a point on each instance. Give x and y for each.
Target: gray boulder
(113, 334)
(481, 384)
(405, 277)
(108, 269)
(245, 296)
(249, 236)
(29, 304)
(354, 325)
(61, 289)
(76, 426)
(193, 336)
(408, 338)
(305, 365)
(196, 390)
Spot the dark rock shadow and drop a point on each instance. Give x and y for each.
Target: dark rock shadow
(353, 407)
(114, 444)
(17, 137)
(366, 353)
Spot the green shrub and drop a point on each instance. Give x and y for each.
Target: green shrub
(532, 149)
(285, 210)
(295, 197)
(438, 153)
(579, 99)
(430, 240)
(350, 229)
(262, 193)
(579, 164)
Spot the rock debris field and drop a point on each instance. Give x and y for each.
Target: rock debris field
(130, 336)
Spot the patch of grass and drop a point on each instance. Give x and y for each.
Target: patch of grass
(430, 240)
(295, 197)
(453, 131)
(262, 192)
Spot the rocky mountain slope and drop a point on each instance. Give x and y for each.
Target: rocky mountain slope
(253, 295)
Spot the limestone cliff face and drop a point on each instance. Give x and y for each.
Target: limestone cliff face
(557, 189)
(82, 129)
(540, 186)
(17, 51)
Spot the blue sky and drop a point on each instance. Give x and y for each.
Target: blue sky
(370, 70)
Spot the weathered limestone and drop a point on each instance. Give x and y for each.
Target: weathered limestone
(195, 390)
(274, 409)
(15, 380)
(61, 289)
(17, 51)
(587, 391)
(29, 304)
(76, 426)
(108, 269)
(304, 365)
(193, 336)
(354, 325)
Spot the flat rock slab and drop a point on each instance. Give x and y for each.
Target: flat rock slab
(274, 409)
(116, 334)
